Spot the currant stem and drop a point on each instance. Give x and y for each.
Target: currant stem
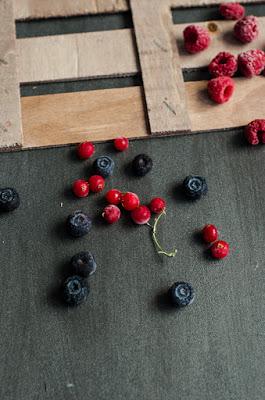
(155, 240)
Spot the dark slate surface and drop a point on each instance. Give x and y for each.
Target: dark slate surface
(125, 342)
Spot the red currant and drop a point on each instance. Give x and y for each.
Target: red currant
(157, 205)
(80, 188)
(85, 150)
(141, 215)
(210, 233)
(96, 183)
(220, 249)
(111, 214)
(130, 201)
(121, 143)
(113, 196)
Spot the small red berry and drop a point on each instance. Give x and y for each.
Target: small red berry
(141, 215)
(130, 201)
(220, 249)
(85, 150)
(210, 233)
(113, 196)
(80, 188)
(247, 29)
(232, 10)
(220, 89)
(157, 205)
(196, 38)
(96, 183)
(111, 214)
(121, 143)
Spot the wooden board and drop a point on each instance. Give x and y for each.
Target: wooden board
(53, 120)
(31, 9)
(160, 67)
(10, 119)
(65, 57)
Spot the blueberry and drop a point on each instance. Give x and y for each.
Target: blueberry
(75, 290)
(195, 186)
(104, 166)
(83, 264)
(9, 199)
(142, 164)
(181, 294)
(78, 224)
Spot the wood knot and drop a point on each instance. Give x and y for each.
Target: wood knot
(212, 27)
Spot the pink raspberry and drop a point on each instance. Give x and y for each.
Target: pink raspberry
(224, 64)
(196, 38)
(232, 10)
(246, 29)
(251, 62)
(221, 89)
(255, 131)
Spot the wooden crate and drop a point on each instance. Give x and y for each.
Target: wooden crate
(165, 104)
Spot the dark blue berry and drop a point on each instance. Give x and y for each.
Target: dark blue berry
(9, 199)
(84, 264)
(142, 164)
(181, 294)
(75, 290)
(104, 166)
(78, 224)
(195, 186)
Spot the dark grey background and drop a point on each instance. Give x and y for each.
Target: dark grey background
(125, 342)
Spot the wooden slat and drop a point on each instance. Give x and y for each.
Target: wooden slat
(112, 53)
(10, 121)
(58, 119)
(31, 9)
(52, 120)
(160, 67)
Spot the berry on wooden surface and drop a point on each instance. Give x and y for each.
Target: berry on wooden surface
(196, 38)
(221, 89)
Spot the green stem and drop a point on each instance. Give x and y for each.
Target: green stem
(155, 240)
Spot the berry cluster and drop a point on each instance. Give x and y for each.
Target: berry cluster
(219, 248)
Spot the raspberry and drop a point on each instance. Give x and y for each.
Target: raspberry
(85, 150)
(221, 89)
(220, 249)
(130, 201)
(251, 62)
(113, 196)
(196, 38)
(246, 29)
(111, 214)
(255, 131)
(157, 205)
(96, 183)
(232, 10)
(224, 64)
(210, 233)
(141, 215)
(121, 143)
(80, 188)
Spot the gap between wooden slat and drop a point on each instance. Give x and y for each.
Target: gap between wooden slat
(31, 9)
(59, 119)
(112, 53)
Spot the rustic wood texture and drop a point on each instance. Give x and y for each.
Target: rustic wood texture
(69, 118)
(32, 9)
(57, 119)
(10, 117)
(160, 67)
(64, 57)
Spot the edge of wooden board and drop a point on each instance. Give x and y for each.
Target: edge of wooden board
(33, 9)
(59, 119)
(64, 57)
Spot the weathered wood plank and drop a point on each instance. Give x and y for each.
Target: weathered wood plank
(112, 53)
(10, 121)
(31, 9)
(58, 119)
